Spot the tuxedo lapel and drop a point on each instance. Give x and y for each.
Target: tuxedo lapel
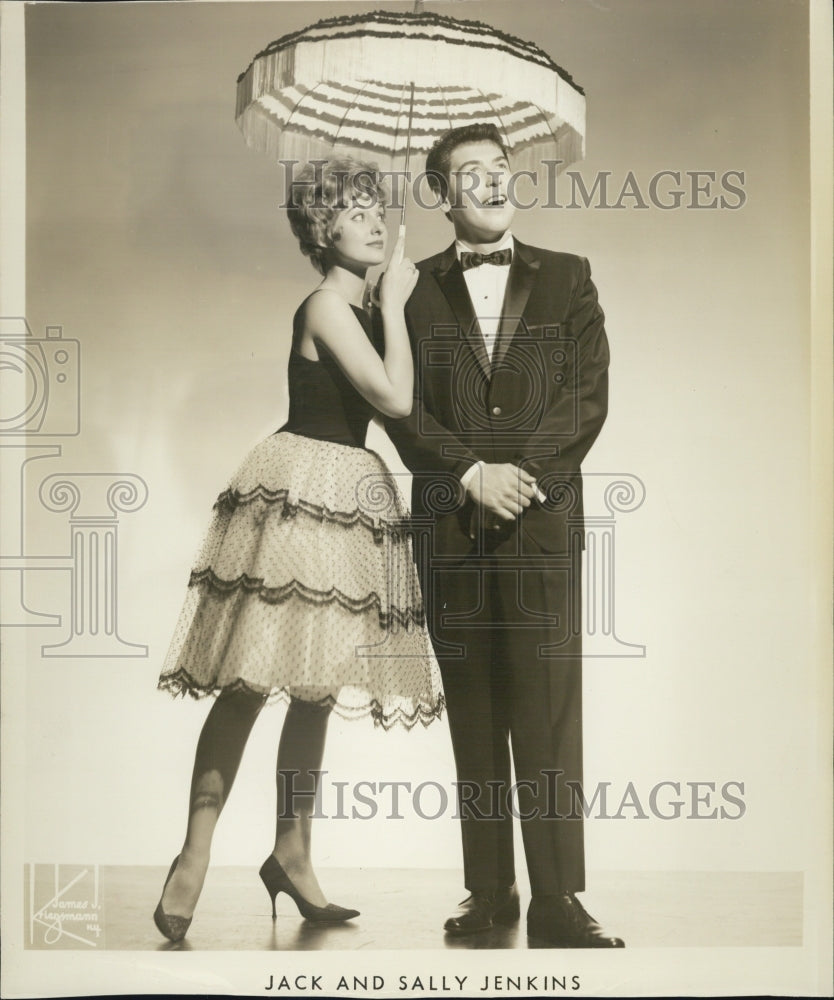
(523, 271)
(449, 276)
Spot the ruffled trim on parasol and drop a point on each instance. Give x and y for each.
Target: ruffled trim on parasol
(425, 19)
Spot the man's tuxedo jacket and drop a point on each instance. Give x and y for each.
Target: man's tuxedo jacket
(539, 403)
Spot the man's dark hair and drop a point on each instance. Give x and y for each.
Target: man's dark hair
(440, 155)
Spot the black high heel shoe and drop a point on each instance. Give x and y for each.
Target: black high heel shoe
(276, 880)
(169, 924)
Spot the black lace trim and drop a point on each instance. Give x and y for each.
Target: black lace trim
(181, 683)
(426, 19)
(276, 595)
(230, 500)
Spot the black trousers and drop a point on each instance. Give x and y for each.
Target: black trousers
(506, 627)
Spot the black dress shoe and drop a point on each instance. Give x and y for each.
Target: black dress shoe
(483, 909)
(563, 922)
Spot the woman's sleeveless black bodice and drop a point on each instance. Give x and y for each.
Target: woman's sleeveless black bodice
(323, 403)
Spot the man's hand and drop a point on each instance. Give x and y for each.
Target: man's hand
(504, 490)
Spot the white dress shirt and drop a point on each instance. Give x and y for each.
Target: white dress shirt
(487, 285)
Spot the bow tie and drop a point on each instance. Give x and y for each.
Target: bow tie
(501, 258)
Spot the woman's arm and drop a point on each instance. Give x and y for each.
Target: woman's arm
(387, 383)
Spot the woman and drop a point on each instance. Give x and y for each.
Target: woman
(293, 587)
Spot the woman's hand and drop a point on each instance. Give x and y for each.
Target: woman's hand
(399, 279)
(386, 382)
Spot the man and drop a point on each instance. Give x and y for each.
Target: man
(511, 366)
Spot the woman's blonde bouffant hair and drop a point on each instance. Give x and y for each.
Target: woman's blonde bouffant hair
(320, 192)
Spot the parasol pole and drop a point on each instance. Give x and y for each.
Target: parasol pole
(418, 9)
(407, 155)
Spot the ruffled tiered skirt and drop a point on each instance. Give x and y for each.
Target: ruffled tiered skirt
(305, 587)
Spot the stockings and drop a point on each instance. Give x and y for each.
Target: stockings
(219, 751)
(300, 753)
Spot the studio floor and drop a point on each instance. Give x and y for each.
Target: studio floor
(405, 909)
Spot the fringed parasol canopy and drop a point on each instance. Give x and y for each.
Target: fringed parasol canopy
(386, 85)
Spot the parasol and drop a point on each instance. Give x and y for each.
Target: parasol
(385, 85)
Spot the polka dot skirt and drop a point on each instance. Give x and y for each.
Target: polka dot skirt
(305, 587)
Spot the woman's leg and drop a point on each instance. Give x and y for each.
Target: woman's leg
(216, 761)
(300, 753)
